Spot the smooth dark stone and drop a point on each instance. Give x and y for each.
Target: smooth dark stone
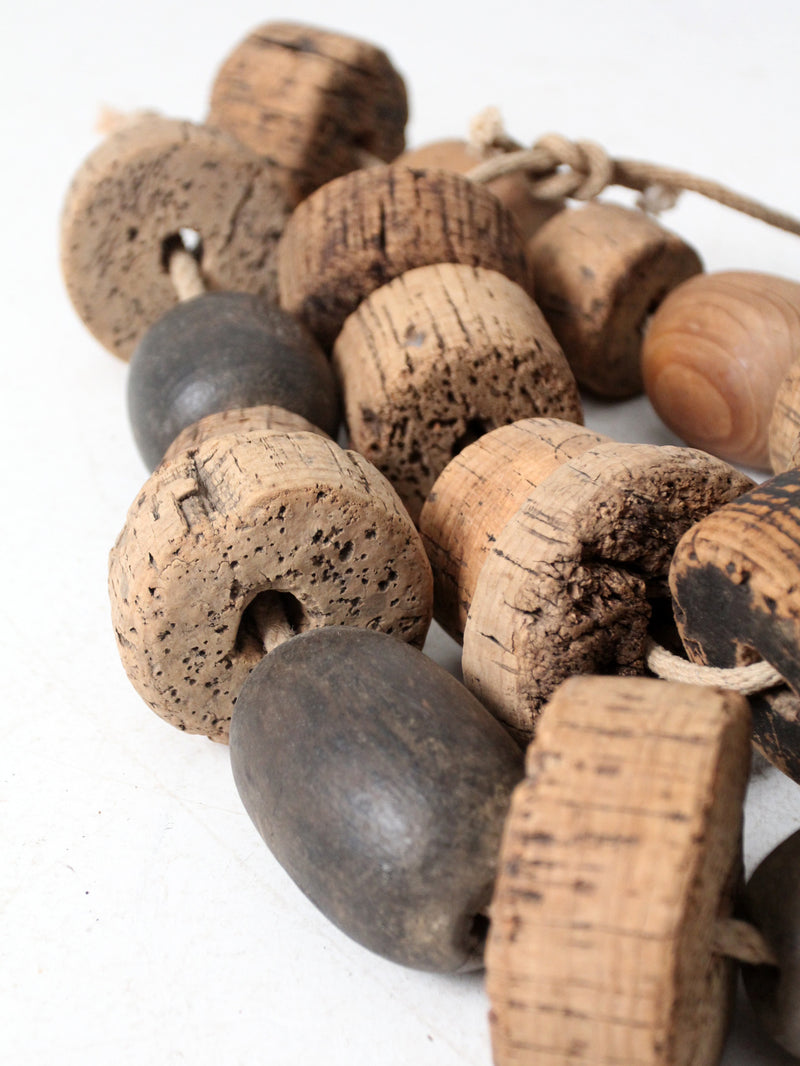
(381, 785)
(220, 351)
(772, 904)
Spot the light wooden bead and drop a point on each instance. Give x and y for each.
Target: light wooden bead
(784, 423)
(477, 493)
(238, 517)
(620, 857)
(438, 357)
(735, 578)
(360, 231)
(566, 588)
(311, 101)
(599, 272)
(243, 421)
(127, 205)
(714, 356)
(512, 190)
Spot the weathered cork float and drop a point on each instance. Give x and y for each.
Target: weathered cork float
(265, 574)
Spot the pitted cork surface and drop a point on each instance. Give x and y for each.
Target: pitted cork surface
(361, 231)
(566, 588)
(438, 357)
(512, 190)
(600, 271)
(250, 421)
(244, 515)
(127, 205)
(310, 101)
(478, 492)
(621, 854)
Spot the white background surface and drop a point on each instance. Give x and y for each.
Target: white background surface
(141, 918)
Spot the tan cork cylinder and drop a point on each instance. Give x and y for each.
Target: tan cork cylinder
(620, 856)
(311, 101)
(715, 355)
(436, 358)
(599, 272)
(265, 418)
(784, 425)
(512, 190)
(360, 231)
(244, 515)
(734, 579)
(127, 205)
(566, 588)
(477, 493)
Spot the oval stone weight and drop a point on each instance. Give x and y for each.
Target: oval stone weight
(219, 351)
(381, 786)
(771, 904)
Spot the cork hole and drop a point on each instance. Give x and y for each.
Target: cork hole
(281, 610)
(474, 430)
(187, 239)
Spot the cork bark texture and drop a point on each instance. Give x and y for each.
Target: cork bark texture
(714, 358)
(512, 190)
(238, 517)
(566, 588)
(247, 421)
(127, 205)
(599, 272)
(478, 492)
(310, 101)
(620, 852)
(734, 581)
(438, 357)
(362, 230)
(784, 423)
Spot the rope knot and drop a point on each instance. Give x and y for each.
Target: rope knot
(589, 168)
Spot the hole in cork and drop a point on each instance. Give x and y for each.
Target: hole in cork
(187, 239)
(271, 618)
(474, 429)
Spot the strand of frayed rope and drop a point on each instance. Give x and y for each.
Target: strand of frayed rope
(558, 168)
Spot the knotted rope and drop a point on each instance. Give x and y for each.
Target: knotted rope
(558, 168)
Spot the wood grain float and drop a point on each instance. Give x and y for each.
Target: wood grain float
(783, 435)
(565, 589)
(715, 355)
(475, 496)
(362, 230)
(436, 358)
(621, 850)
(311, 101)
(599, 271)
(735, 581)
(237, 517)
(125, 210)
